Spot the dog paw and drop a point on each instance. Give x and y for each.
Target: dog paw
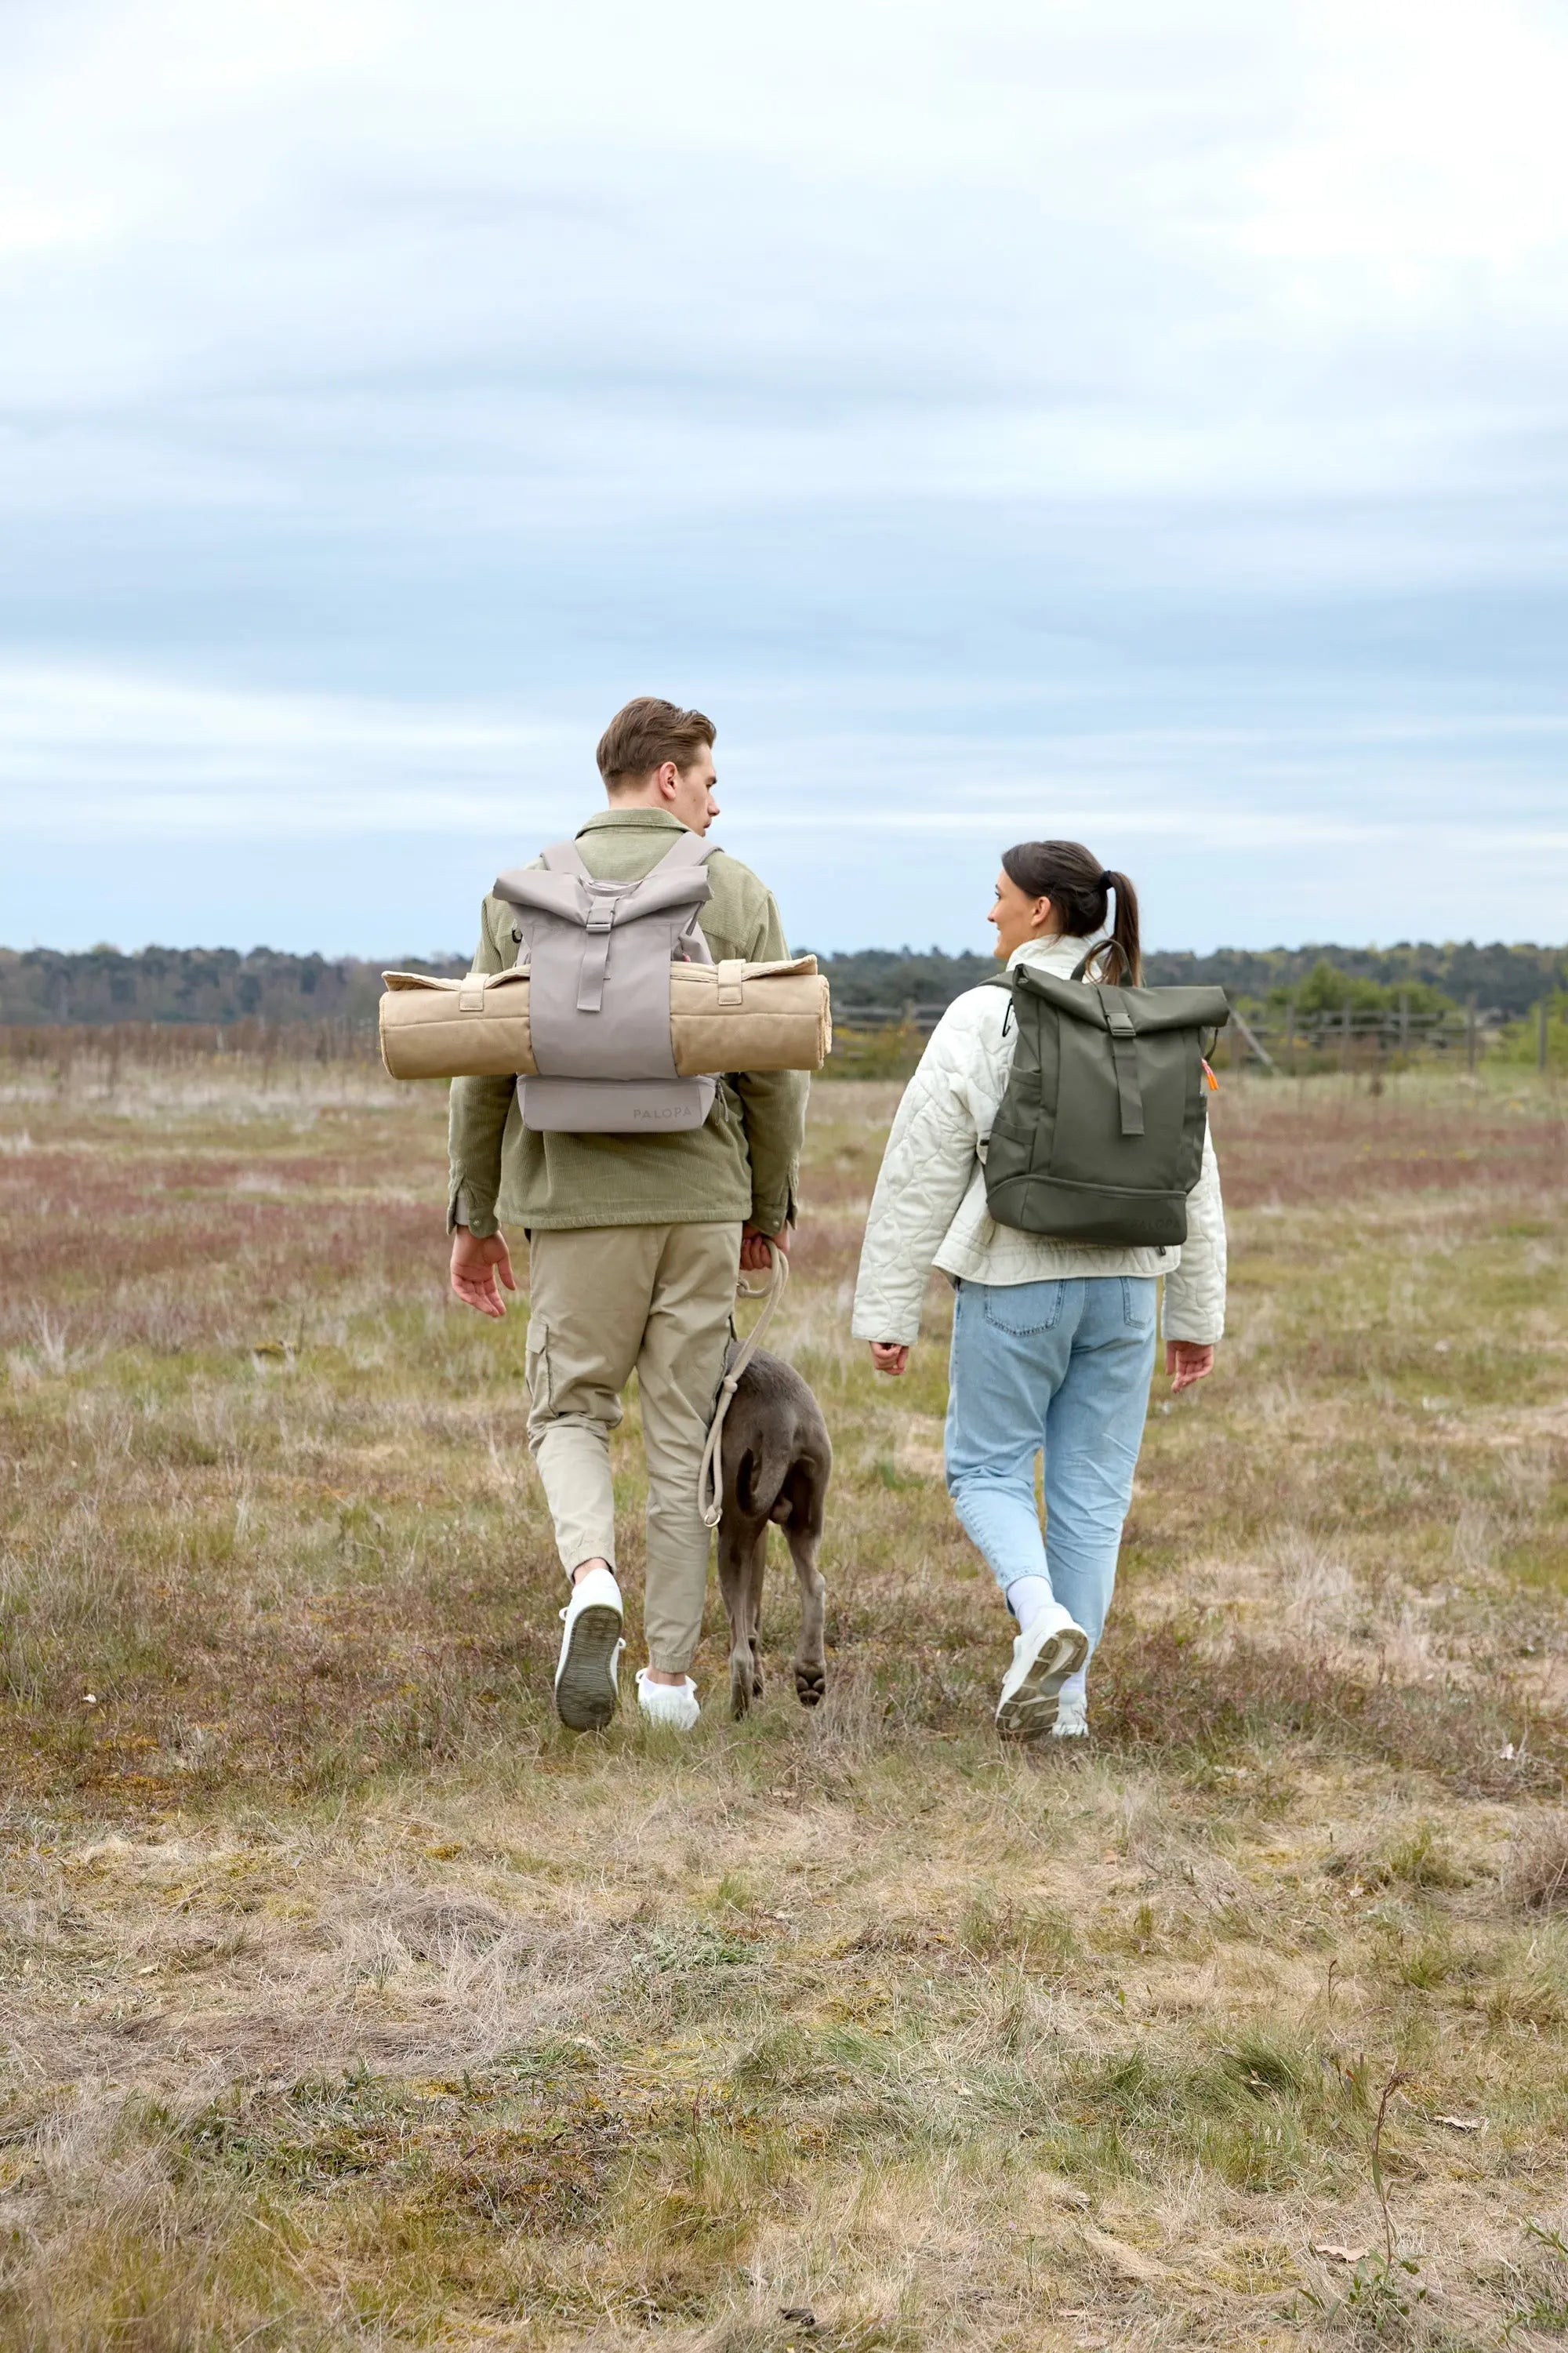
(810, 1682)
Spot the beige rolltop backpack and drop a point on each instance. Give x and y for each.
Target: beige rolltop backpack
(598, 955)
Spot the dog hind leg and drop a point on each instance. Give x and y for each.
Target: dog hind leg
(757, 1570)
(740, 1580)
(734, 1551)
(803, 1533)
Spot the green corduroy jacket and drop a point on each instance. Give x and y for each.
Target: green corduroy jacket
(742, 1163)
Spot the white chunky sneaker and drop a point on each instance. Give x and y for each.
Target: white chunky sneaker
(587, 1678)
(1053, 1647)
(671, 1703)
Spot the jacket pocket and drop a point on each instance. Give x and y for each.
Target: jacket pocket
(1022, 1307)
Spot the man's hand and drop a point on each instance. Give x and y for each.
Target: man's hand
(1187, 1361)
(890, 1356)
(754, 1258)
(474, 1266)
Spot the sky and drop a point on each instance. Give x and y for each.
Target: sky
(1137, 422)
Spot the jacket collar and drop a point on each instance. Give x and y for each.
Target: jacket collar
(1058, 954)
(632, 820)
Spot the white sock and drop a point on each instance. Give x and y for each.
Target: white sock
(1027, 1597)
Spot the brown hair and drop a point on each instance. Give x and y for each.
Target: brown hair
(646, 732)
(1079, 890)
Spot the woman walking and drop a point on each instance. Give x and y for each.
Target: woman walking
(1053, 1342)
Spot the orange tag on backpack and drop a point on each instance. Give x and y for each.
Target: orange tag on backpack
(1213, 1083)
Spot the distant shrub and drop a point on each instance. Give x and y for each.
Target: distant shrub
(889, 1052)
(1521, 1041)
(1327, 989)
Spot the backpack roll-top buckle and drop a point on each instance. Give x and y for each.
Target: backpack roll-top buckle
(603, 900)
(1125, 1055)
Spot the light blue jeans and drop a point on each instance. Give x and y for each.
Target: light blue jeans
(1062, 1368)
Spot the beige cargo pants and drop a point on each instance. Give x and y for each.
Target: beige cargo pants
(606, 1302)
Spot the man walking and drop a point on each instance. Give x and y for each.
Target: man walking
(634, 1244)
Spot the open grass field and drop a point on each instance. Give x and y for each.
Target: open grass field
(348, 2002)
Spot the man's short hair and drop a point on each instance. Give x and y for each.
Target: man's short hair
(645, 734)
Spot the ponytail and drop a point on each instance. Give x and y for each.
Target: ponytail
(1125, 948)
(1080, 890)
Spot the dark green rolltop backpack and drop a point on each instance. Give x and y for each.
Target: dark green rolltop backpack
(1099, 1136)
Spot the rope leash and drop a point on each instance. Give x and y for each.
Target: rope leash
(710, 1480)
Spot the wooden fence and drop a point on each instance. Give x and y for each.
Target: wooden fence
(58, 1046)
(1289, 1040)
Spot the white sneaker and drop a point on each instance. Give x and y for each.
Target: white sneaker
(587, 1677)
(1051, 1650)
(671, 1703)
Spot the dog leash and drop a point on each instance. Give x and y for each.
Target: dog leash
(710, 1478)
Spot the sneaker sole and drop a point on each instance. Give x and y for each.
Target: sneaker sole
(585, 1692)
(1031, 1710)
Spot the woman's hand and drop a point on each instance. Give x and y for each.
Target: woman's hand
(1187, 1361)
(890, 1356)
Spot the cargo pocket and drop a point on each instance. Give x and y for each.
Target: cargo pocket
(536, 1363)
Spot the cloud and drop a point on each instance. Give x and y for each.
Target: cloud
(132, 755)
(1154, 416)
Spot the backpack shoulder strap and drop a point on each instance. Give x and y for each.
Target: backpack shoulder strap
(689, 850)
(1002, 980)
(536, 886)
(1080, 969)
(564, 858)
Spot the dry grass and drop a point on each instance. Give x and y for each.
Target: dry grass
(1536, 1871)
(350, 2003)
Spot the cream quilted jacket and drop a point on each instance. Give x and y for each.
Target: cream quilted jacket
(929, 1208)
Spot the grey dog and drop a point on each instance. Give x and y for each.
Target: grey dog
(776, 1460)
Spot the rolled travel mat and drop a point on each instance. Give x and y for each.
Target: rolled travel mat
(722, 1017)
(749, 1016)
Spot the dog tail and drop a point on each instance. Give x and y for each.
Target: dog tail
(761, 1473)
